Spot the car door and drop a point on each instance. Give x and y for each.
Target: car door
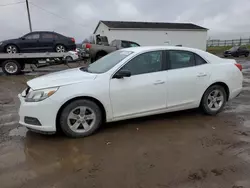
(144, 91)
(243, 50)
(47, 41)
(187, 78)
(30, 42)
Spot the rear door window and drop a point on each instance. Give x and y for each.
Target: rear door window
(48, 36)
(181, 59)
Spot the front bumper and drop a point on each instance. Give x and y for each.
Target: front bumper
(44, 111)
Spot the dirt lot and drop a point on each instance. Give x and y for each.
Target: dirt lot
(176, 150)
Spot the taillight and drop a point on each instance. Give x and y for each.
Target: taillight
(73, 40)
(88, 45)
(239, 66)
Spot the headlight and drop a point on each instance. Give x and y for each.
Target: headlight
(39, 95)
(1, 43)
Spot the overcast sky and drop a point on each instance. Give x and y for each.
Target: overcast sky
(78, 18)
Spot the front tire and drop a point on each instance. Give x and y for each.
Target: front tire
(214, 100)
(247, 54)
(80, 118)
(11, 67)
(69, 59)
(11, 49)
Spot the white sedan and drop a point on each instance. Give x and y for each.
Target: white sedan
(129, 83)
(72, 56)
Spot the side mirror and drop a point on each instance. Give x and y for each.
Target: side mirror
(122, 73)
(23, 38)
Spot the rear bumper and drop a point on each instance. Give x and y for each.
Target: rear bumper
(235, 93)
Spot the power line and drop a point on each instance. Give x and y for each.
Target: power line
(19, 2)
(52, 13)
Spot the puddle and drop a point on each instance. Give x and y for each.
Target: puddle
(19, 131)
(247, 124)
(246, 80)
(239, 109)
(8, 119)
(242, 184)
(9, 123)
(246, 88)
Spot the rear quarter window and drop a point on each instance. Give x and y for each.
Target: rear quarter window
(199, 60)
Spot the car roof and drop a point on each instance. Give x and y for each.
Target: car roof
(207, 56)
(149, 48)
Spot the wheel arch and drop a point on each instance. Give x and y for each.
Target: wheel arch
(57, 44)
(5, 46)
(101, 52)
(100, 105)
(224, 85)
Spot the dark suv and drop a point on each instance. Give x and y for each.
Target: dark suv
(237, 51)
(42, 41)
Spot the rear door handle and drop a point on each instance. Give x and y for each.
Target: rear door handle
(202, 74)
(158, 82)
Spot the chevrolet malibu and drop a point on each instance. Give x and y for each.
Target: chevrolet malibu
(129, 83)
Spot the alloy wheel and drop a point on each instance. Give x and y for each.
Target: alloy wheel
(215, 100)
(60, 49)
(81, 119)
(11, 49)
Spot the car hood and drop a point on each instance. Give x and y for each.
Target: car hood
(10, 41)
(70, 76)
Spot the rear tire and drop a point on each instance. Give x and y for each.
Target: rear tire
(11, 67)
(80, 118)
(213, 100)
(247, 54)
(60, 48)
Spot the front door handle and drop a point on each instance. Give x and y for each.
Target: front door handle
(158, 82)
(202, 74)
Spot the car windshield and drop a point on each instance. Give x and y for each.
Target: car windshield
(107, 62)
(234, 48)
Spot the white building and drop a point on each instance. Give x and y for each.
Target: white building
(153, 33)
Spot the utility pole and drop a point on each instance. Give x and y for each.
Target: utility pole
(28, 10)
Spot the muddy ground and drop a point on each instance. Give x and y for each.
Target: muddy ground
(177, 150)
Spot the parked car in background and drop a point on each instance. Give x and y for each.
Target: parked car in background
(42, 41)
(237, 51)
(129, 83)
(72, 56)
(98, 46)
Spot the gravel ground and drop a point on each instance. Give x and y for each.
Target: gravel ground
(176, 150)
